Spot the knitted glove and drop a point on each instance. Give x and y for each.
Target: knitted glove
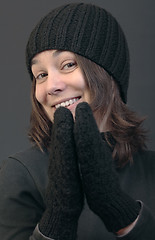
(100, 181)
(64, 196)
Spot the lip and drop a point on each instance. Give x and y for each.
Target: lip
(64, 100)
(73, 106)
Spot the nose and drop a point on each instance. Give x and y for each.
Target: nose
(55, 84)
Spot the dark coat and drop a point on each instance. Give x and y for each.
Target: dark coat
(23, 180)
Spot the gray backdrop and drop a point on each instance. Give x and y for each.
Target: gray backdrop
(17, 17)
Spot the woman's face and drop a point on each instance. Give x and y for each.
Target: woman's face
(59, 81)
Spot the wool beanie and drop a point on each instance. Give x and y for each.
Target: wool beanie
(87, 30)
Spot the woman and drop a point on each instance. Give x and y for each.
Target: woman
(88, 174)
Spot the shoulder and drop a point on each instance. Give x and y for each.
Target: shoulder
(149, 155)
(144, 159)
(22, 191)
(142, 168)
(30, 165)
(32, 159)
(30, 156)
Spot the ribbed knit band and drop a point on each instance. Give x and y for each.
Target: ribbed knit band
(87, 30)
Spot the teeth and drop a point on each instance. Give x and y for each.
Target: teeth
(67, 103)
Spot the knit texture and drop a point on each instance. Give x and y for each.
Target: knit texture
(100, 181)
(87, 30)
(64, 196)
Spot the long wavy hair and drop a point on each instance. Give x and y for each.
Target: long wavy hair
(125, 131)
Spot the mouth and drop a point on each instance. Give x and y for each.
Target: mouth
(67, 103)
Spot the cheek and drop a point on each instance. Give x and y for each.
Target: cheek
(85, 90)
(40, 95)
(87, 96)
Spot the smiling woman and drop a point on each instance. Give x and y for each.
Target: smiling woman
(59, 81)
(88, 162)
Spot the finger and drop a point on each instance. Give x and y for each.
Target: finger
(63, 116)
(86, 130)
(62, 149)
(63, 125)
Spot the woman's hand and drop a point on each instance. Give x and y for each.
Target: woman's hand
(100, 181)
(64, 196)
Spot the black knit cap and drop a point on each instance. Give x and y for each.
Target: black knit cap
(87, 30)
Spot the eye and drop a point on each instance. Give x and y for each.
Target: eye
(69, 65)
(41, 76)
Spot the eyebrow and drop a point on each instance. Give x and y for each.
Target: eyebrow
(34, 61)
(55, 54)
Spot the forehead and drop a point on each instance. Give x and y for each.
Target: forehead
(51, 53)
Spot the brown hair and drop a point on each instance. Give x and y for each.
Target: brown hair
(124, 125)
(40, 125)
